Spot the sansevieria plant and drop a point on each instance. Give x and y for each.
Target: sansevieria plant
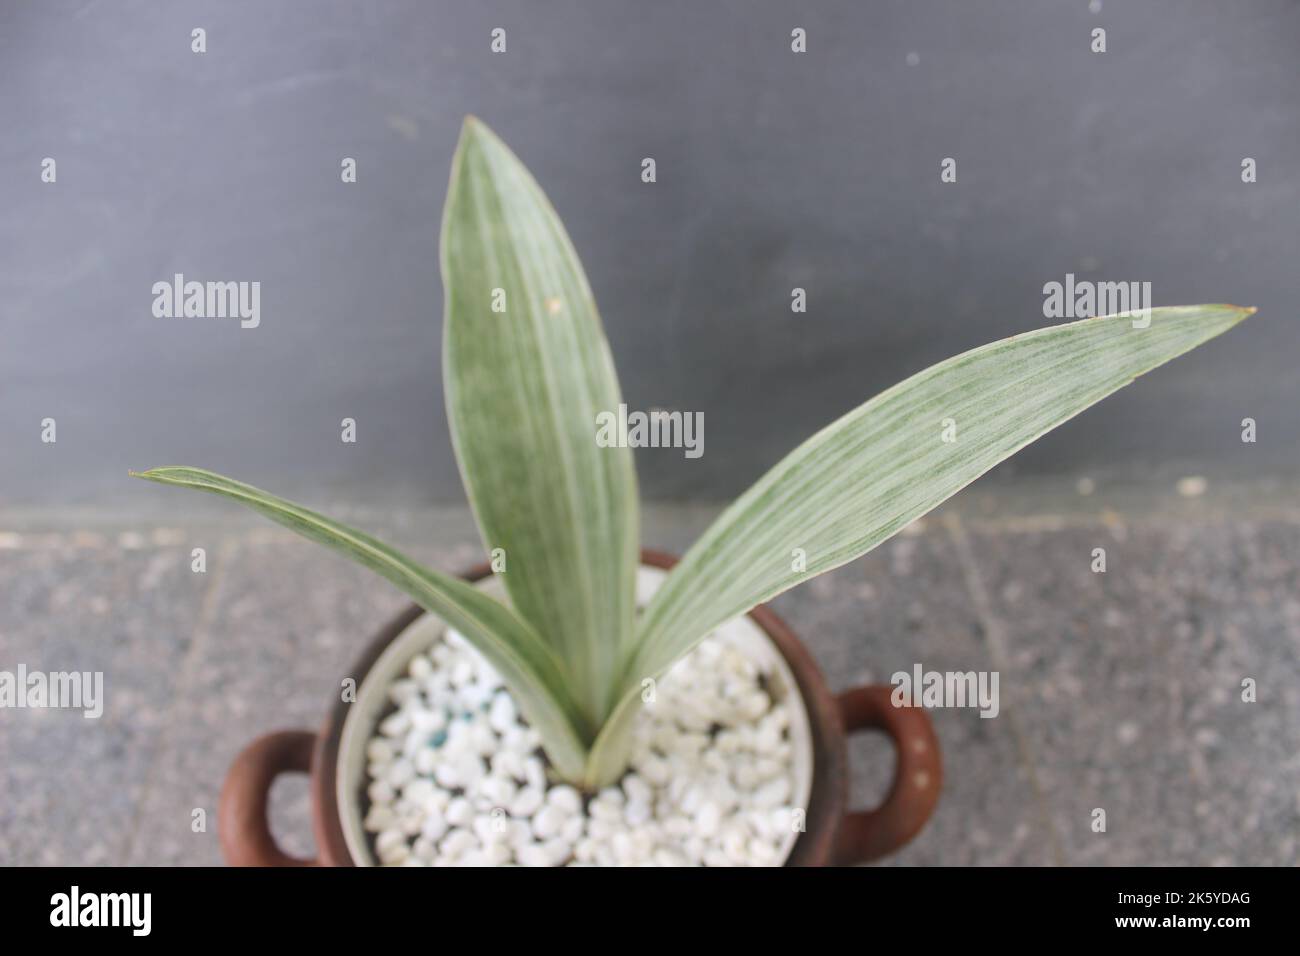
(527, 371)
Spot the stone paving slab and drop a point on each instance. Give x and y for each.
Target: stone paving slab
(1129, 682)
(1119, 690)
(69, 786)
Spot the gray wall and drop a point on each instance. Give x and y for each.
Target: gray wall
(775, 170)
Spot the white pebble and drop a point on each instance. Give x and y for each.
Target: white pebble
(447, 775)
(498, 791)
(421, 668)
(655, 770)
(459, 812)
(557, 851)
(535, 773)
(691, 800)
(497, 854)
(428, 721)
(470, 770)
(380, 751)
(548, 821)
(527, 802)
(678, 827)
(707, 819)
(400, 772)
(462, 672)
(435, 825)
(573, 829)
(380, 818)
(753, 705)
(734, 842)
(564, 798)
(603, 810)
(410, 817)
(425, 761)
(508, 763)
(666, 857)
(533, 855)
(420, 791)
(637, 790)
(773, 793)
(391, 847)
(502, 714)
(401, 691)
(585, 851)
(458, 842)
(490, 828)
(396, 724)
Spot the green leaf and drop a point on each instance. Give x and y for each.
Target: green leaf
(609, 754)
(524, 387)
(519, 655)
(861, 479)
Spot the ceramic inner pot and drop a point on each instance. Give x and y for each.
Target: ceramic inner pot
(334, 758)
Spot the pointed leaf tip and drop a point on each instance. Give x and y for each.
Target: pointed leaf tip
(474, 132)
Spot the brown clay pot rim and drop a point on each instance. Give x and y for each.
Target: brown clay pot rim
(826, 803)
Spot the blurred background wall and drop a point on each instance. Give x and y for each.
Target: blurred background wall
(775, 170)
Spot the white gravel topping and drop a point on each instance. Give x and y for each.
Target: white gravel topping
(455, 777)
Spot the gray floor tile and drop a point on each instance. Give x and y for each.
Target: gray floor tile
(1130, 683)
(70, 787)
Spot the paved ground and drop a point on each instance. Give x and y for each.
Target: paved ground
(1119, 691)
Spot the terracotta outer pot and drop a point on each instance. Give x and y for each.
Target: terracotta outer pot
(834, 835)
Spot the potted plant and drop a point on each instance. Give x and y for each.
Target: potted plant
(577, 702)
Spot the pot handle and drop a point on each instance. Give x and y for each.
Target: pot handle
(918, 775)
(242, 826)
